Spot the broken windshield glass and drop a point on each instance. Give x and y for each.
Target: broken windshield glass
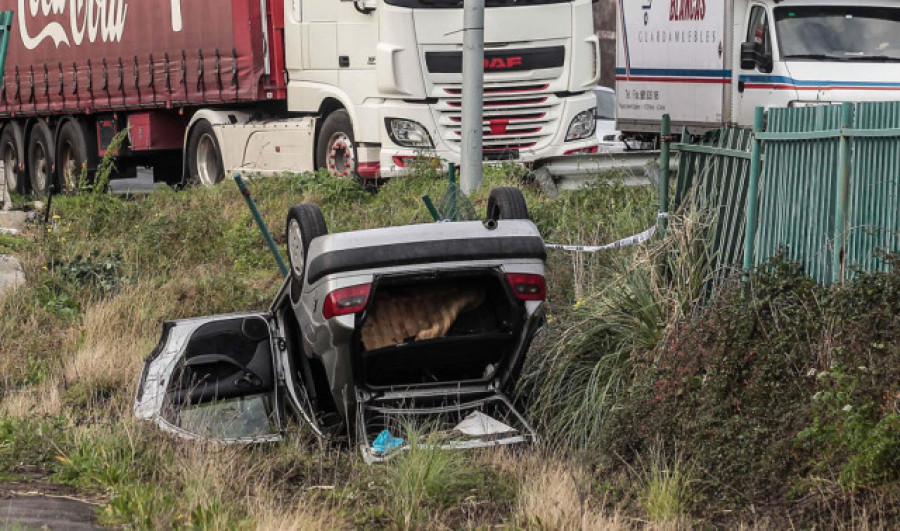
(250, 416)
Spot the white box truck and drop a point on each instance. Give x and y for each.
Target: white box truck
(710, 63)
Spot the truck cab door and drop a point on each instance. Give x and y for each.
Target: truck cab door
(319, 40)
(764, 82)
(293, 39)
(214, 378)
(357, 36)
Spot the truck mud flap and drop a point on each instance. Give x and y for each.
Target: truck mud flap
(385, 428)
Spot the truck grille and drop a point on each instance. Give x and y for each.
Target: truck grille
(516, 116)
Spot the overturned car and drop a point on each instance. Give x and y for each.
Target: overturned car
(373, 333)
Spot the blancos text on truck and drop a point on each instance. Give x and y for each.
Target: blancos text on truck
(360, 87)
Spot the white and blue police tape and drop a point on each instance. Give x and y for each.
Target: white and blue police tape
(637, 239)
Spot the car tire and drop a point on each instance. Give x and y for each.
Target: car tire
(336, 147)
(11, 144)
(75, 149)
(506, 202)
(40, 159)
(305, 223)
(204, 157)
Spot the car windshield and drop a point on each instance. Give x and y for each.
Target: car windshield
(839, 33)
(606, 105)
(458, 4)
(236, 418)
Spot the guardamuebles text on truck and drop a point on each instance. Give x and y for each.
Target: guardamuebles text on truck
(709, 63)
(265, 86)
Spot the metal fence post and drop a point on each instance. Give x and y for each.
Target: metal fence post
(664, 147)
(753, 193)
(263, 228)
(841, 199)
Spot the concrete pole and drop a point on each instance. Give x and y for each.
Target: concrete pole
(5, 201)
(471, 163)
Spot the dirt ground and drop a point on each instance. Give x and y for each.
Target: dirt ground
(39, 505)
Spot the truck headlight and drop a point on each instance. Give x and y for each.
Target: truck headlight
(408, 133)
(582, 126)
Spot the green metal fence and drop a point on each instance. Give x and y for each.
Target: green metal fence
(798, 187)
(819, 183)
(712, 178)
(873, 216)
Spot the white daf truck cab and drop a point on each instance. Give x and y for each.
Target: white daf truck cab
(710, 63)
(374, 84)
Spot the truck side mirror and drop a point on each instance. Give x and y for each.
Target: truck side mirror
(753, 56)
(748, 55)
(365, 6)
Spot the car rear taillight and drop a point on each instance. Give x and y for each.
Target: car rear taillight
(346, 300)
(527, 287)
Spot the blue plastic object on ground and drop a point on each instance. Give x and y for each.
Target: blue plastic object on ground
(385, 442)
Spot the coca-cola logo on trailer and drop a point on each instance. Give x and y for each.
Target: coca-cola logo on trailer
(80, 20)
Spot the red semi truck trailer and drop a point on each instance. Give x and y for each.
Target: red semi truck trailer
(266, 86)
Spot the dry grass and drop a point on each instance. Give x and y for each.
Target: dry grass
(268, 514)
(556, 494)
(39, 401)
(115, 338)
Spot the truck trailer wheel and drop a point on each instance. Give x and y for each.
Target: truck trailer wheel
(204, 156)
(506, 202)
(11, 141)
(305, 223)
(40, 158)
(76, 149)
(336, 148)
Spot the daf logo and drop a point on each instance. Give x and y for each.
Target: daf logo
(500, 63)
(646, 7)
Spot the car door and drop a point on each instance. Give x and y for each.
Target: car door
(214, 378)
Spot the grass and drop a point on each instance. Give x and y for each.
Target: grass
(665, 495)
(643, 295)
(101, 282)
(638, 350)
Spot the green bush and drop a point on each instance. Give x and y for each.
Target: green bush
(766, 390)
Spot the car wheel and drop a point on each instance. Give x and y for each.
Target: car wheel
(11, 141)
(506, 202)
(336, 148)
(75, 150)
(204, 156)
(305, 223)
(40, 158)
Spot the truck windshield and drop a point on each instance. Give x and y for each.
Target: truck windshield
(839, 33)
(458, 4)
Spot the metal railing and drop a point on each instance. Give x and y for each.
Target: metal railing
(819, 184)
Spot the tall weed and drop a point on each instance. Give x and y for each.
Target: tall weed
(573, 388)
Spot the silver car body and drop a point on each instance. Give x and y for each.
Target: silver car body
(389, 256)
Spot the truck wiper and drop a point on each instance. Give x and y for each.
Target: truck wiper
(877, 58)
(817, 56)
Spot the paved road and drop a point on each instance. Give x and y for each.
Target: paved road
(43, 506)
